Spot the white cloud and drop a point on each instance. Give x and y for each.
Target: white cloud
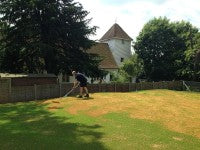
(132, 15)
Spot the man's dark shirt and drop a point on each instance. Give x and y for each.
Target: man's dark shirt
(80, 77)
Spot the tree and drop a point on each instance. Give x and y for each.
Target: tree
(120, 77)
(156, 45)
(168, 49)
(197, 66)
(186, 57)
(49, 35)
(133, 66)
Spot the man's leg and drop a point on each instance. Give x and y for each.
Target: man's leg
(81, 92)
(86, 91)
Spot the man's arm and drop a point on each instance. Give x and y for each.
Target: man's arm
(76, 83)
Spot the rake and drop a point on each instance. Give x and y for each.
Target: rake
(70, 91)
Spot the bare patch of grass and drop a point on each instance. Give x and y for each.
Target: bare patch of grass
(178, 111)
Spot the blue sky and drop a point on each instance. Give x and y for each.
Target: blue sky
(131, 15)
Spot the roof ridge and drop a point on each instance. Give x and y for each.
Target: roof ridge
(115, 32)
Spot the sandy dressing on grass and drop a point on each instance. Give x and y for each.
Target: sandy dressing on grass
(178, 111)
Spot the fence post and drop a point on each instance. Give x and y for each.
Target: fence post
(163, 84)
(10, 90)
(60, 90)
(115, 87)
(183, 87)
(99, 87)
(129, 87)
(136, 86)
(35, 91)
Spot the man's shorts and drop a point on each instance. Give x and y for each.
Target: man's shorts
(83, 84)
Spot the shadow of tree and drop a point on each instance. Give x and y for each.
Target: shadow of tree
(32, 126)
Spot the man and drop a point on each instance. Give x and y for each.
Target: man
(80, 79)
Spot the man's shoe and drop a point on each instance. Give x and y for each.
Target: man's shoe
(87, 95)
(79, 96)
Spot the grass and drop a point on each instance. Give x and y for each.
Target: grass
(145, 120)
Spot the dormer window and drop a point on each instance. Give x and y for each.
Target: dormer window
(122, 59)
(122, 41)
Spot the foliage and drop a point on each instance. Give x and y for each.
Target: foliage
(168, 49)
(190, 35)
(49, 35)
(120, 77)
(133, 66)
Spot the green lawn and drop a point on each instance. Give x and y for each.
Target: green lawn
(145, 120)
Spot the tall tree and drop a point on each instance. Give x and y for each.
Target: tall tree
(168, 49)
(191, 37)
(197, 58)
(49, 35)
(156, 45)
(185, 59)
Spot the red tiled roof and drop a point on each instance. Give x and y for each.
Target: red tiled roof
(103, 50)
(115, 32)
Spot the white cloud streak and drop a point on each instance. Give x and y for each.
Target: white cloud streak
(132, 16)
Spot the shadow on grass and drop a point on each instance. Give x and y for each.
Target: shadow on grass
(31, 126)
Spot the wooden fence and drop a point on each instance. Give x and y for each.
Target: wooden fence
(192, 86)
(10, 93)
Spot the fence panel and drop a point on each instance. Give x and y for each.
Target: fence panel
(27, 93)
(93, 88)
(102, 88)
(146, 85)
(132, 86)
(5, 90)
(47, 91)
(193, 86)
(65, 87)
(22, 93)
(123, 87)
(178, 85)
(138, 86)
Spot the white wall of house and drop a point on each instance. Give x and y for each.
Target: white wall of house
(121, 49)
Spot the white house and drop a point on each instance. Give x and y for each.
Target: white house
(119, 47)
(114, 47)
(119, 43)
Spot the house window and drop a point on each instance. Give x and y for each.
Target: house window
(122, 59)
(122, 41)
